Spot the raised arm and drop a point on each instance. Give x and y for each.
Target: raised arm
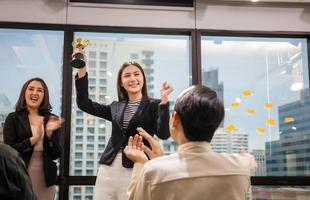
(162, 125)
(82, 96)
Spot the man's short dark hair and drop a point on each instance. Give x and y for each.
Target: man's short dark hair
(201, 112)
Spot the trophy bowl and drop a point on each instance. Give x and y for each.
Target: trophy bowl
(78, 60)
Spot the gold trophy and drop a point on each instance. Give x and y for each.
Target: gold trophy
(78, 60)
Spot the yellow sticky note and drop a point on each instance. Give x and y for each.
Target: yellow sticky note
(268, 105)
(251, 111)
(271, 122)
(235, 104)
(231, 128)
(289, 119)
(260, 131)
(246, 93)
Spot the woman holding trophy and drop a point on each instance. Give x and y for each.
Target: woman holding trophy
(133, 109)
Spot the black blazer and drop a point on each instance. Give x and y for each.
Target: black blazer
(17, 133)
(150, 115)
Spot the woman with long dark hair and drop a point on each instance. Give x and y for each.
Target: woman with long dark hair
(34, 132)
(132, 110)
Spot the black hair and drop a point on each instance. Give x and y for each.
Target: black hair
(45, 106)
(201, 111)
(121, 92)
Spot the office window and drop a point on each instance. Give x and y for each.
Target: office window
(78, 138)
(90, 146)
(102, 65)
(84, 192)
(92, 55)
(264, 84)
(79, 129)
(91, 64)
(26, 54)
(89, 164)
(78, 163)
(279, 192)
(103, 55)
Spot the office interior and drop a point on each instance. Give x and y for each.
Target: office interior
(254, 54)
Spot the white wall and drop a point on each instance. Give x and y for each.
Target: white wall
(220, 17)
(253, 18)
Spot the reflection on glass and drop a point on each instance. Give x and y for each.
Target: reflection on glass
(279, 193)
(264, 84)
(163, 57)
(79, 192)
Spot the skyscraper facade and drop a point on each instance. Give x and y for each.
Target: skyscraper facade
(290, 155)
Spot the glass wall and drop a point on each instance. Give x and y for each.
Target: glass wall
(25, 54)
(163, 58)
(279, 192)
(264, 84)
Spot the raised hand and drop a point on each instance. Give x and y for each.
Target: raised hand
(156, 150)
(53, 124)
(81, 71)
(165, 91)
(134, 149)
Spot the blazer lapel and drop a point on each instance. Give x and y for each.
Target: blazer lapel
(23, 118)
(138, 113)
(119, 113)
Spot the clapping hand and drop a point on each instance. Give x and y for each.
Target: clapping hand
(156, 150)
(53, 124)
(134, 149)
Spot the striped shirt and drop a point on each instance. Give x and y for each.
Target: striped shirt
(130, 110)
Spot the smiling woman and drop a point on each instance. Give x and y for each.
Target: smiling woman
(34, 132)
(132, 110)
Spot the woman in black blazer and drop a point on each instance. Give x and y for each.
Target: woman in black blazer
(34, 132)
(134, 109)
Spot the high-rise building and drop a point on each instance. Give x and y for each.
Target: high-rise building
(226, 142)
(260, 158)
(210, 78)
(289, 156)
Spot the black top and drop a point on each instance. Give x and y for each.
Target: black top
(14, 180)
(150, 115)
(17, 133)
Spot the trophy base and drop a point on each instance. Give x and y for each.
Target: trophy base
(78, 63)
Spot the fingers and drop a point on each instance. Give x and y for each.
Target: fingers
(167, 88)
(130, 141)
(148, 137)
(137, 142)
(148, 151)
(145, 135)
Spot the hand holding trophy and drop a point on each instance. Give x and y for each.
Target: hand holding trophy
(78, 60)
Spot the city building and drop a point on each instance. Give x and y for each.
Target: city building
(226, 142)
(260, 158)
(289, 156)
